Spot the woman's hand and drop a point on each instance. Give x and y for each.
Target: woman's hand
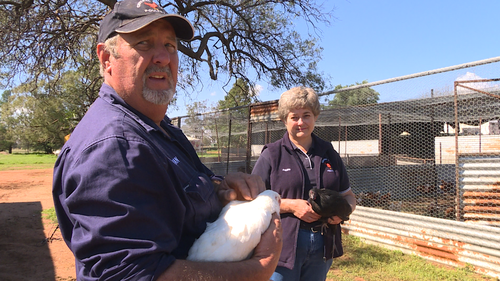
(334, 220)
(299, 208)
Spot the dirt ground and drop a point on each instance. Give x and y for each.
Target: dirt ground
(25, 253)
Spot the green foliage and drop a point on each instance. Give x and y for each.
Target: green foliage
(5, 96)
(239, 95)
(34, 122)
(39, 116)
(360, 96)
(5, 140)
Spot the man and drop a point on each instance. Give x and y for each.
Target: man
(130, 192)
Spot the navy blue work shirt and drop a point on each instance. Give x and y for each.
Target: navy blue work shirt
(129, 198)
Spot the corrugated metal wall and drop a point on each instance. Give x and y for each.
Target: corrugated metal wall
(445, 241)
(479, 177)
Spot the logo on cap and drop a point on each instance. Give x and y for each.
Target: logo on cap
(149, 3)
(152, 5)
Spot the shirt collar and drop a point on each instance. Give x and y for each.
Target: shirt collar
(294, 147)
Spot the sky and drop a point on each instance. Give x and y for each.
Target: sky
(380, 39)
(375, 40)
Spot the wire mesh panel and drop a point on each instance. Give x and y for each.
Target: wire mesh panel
(423, 161)
(220, 138)
(401, 153)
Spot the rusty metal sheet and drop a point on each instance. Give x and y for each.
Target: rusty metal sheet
(479, 177)
(445, 241)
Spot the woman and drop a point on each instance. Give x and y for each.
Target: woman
(292, 166)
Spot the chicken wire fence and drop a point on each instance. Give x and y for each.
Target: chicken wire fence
(430, 146)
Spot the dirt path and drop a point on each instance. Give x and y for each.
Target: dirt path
(23, 230)
(23, 253)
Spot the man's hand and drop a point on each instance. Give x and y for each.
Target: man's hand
(268, 251)
(259, 267)
(239, 186)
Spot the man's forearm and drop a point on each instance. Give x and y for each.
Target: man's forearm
(259, 267)
(244, 270)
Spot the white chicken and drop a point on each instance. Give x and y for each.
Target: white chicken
(237, 231)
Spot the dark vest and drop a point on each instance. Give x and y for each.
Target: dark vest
(287, 178)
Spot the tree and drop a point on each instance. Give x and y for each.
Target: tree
(6, 140)
(5, 97)
(239, 95)
(194, 125)
(33, 122)
(236, 100)
(51, 107)
(360, 96)
(35, 118)
(252, 39)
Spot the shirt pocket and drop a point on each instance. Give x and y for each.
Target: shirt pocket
(202, 204)
(199, 188)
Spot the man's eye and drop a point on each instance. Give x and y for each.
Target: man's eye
(171, 48)
(143, 44)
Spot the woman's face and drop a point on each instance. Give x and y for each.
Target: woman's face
(300, 123)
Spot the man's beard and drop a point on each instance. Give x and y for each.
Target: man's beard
(159, 97)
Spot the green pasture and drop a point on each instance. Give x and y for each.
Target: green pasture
(23, 161)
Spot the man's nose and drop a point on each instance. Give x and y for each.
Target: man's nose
(162, 56)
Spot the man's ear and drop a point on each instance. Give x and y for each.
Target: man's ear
(103, 56)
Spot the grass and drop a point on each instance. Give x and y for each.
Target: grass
(208, 153)
(50, 214)
(23, 161)
(365, 262)
(361, 261)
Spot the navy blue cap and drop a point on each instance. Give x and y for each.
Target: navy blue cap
(131, 15)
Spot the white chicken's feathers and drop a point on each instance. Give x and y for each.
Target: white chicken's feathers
(237, 231)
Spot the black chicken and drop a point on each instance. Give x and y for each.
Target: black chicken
(328, 203)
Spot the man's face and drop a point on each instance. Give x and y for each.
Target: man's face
(147, 64)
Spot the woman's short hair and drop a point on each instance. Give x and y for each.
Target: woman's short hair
(298, 97)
